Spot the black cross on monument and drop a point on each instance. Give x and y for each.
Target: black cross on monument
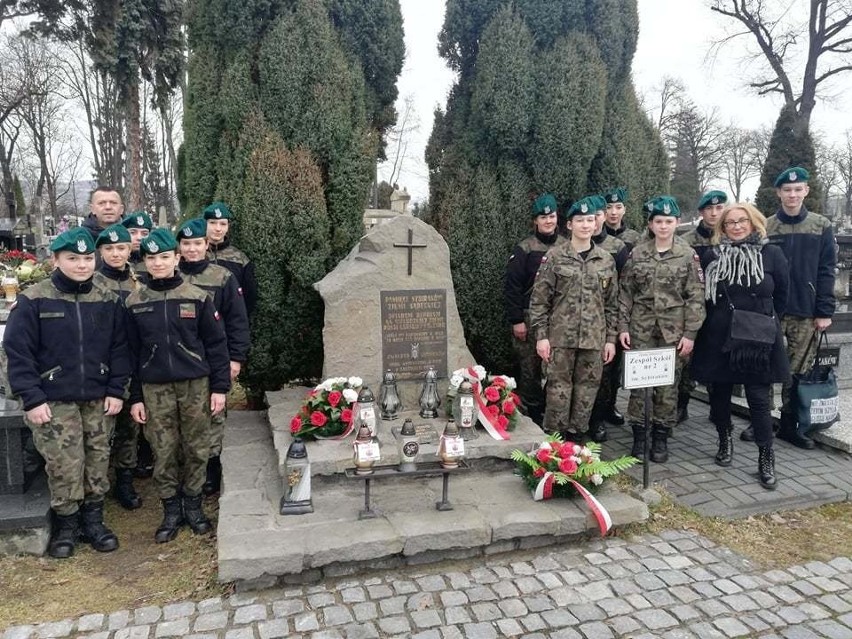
(410, 246)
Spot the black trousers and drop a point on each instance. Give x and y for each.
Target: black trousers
(759, 400)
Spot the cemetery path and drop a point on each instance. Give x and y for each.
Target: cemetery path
(676, 584)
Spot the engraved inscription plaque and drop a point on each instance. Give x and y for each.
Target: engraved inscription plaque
(414, 332)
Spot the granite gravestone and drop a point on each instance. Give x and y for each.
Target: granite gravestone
(390, 304)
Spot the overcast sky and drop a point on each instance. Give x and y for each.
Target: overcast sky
(675, 38)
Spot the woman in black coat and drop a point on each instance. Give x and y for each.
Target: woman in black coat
(743, 271)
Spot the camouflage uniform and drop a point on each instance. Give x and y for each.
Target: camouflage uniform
(179, 343)
(138, 268)
(661, 300)
(67, 347)
(625, 234)
(227, 297)
(574, 305)
(124, 443)
(227, 255)
(608, 389)
(520, 276)
(699, 239)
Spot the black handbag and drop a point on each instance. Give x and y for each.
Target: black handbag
(748, 326)
(750, 340)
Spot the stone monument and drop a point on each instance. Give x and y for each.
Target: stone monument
(390, 304)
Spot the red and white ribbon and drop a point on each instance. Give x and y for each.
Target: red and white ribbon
(488, 422)
(544, 490)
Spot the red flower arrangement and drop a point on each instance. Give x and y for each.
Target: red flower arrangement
(327, 411)
(501, 402)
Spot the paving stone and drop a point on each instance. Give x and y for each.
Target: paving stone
(655, 619)
(638, 602)
(595, 630)
(483, 576)
(393, 605)
(480, 593)
(176, 628)
(835, 603)
(731, 627)
(118, 619)
(320, 600)
(480, 631)
(379, 592)
(336, 615)
(712, 607)
(533, 622)
(287, 607)
(427, 634)
(485, 611)
(566, 633)
(792, 615)
(353, 595)
(365, 611)
(135, 632)
(727, 586)
(660, 598)
(548, 579)
(806, 588)
(754, 622)
(247, 598)
(509, 628)
(273, 629)
(246, 632)
(394, 625)
(787, 594)
(457, 614)
(832, 629)
(800, 632)
(55, 629)
(178, 610)
(649, 582)
(211, 621)
(685, 612)
(625, 587)
(305, 622)
(826, 584)
(326, 634)
(89, 623)
(148, 615)
(19, 632)
(513, 608)
(814, 611)
(615, 606)
(624, 625)
(529, 585)
(523, 568)
(249, 614)
(706, 631)
(740, 603)
(213, 604)
(432, 583)
(361, 631)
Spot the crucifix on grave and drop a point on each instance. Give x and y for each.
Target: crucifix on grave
(410, 246)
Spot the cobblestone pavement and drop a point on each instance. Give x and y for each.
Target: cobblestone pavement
(806, 478)
(675, 585)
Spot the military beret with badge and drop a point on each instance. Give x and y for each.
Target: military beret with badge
(617, 194)
(712, 198)
(544, 204)
(793, 175)
(217, 211)
(77, 240)
(159, 241)
(114, 234)
(137, 220)
(589, 205)
(193, 229)
(661, 205)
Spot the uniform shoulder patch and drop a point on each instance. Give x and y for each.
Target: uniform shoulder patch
(187, 311)
(700, 270)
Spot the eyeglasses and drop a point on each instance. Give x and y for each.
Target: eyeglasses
(728, 224)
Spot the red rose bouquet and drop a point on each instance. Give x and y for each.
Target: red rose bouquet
(501, 402)
(563, 469)
(327, 412)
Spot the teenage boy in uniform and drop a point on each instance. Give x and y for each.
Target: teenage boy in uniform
(113, 246)
(614, 224)
(182, 376)
(227, 296)
(69, 363)
(218, 216)
(139, 225)
(807, 240)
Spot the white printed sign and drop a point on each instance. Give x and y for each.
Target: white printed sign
(824, 411)
(649, 367)
(368, 451)
(454, 446)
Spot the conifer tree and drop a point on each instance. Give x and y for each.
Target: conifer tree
(543, 102)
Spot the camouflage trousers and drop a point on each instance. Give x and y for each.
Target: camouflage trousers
(75, 447)
(573, 378)
(608, 389)
(217, 432)
(178, 430)
(801, 350)
(125, 440)
(529, 376)
(686, 384)
(663, 398)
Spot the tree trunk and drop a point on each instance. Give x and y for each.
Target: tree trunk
(134, 192)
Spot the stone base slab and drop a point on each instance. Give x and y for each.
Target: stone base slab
(25, 520)
(493, 512)
(330, 457)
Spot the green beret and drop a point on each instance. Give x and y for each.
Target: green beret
(544, 204)
(662, 205)
(159, 241)
(793, 175)
(77, 240)
(615, 195)
(583, 206)
(137, 220)
(217, 211)
(712, 198)
(598, 202)
(115, 234)
(193, 229)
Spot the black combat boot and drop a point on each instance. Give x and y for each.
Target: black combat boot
(748, 434)
(125, 493)
(614, 417)
(638, 450)
(683, 407)
(660, 444)
(766, 467)
(172, 520)
(788, 431)
(66, 531)
(93, 530)
(194, 515)
(597, 432)
(726, 445)
(213, 483)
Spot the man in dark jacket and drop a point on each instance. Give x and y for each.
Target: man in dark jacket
(807, 240)
(106, 208)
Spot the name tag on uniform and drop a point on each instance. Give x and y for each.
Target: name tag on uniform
(51, 314)
(142, 309)
(187, 311)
